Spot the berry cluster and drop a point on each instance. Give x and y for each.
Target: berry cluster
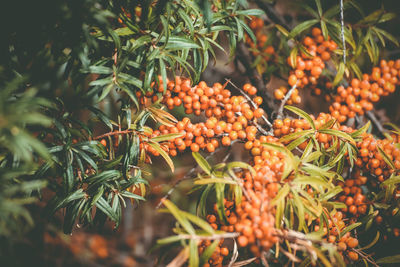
(336, 224)
(220, 252)
(371, 160)
(359, 96)
(308, 67)
(288, 126)
(352, 196)
(229, 117)
(280, 93)
(261, 48)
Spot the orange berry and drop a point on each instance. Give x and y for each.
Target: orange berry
(224, 251)
(242, 241)
(252, 91)
(226, 141)
(210, 147)
(292, 80)
(316, 32)
(258, 113)
(352, 255)
(316, 71)
(258, 100)
(278, 94)
(103, 142)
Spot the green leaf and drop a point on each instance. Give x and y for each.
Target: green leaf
(207, 253)
(178, 43)
(392, 181)
(193, 253)
(299, 141)
(319, 7)
(202, 162)
(339, 74)
(293, 56)
(242, 165)
(373, 242)
(179, 216)
(105, 207)
(302, 27)
(166, 137)
(282, 193)
(295, 135)
(103, 177)
(291, 162)
(349, 228)
(302, 114)
(300, 210)
(164, 154)
(168, 240)
(78, 194)
(101, 82)
(250, 12)
(220, 194)
(324, 29)
(132, 195)
(100, 70)
(239, 29)
(387, 35)
(386, 158)
(199, 222)
(101, 116)
(389, 260)
(188, 20)
(124, 31)
(282, 30)
(339, 134)
(362, 130)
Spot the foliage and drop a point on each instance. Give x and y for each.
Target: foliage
(86, 104)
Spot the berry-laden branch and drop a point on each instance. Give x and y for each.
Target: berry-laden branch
(251, 101)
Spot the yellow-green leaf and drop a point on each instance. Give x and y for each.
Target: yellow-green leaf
(164, 154)
(302, 114)
(204, 165)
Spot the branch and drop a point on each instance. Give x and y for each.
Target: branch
(371, 115)
(283, 103)
(245, 58)
(365, 256)
(272, 14)
(112, 133)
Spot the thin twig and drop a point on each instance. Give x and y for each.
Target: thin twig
(112, 133)
(342, 31)
(284, 100)
(365, 256)
(374, 119)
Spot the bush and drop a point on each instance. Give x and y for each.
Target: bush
(94, 92)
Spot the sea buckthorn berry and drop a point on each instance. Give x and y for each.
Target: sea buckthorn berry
(292, 80)
(103, 142)
(278, 94)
